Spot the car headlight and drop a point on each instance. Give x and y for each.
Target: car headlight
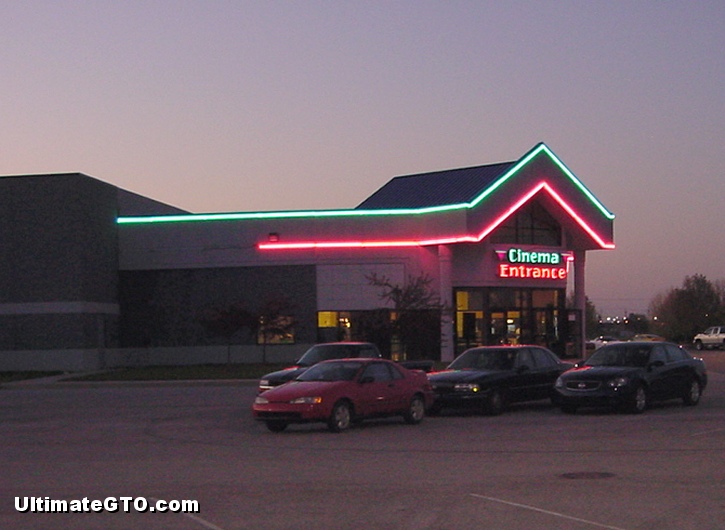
(467, 387)
(618, 382)
(259, 400)
(313, 400)
(559, 383)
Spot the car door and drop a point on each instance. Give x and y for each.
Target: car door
(376, 390)
(680, 371)
(524, 379)
(663, 375)
(548, 370)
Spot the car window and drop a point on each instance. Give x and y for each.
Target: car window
(658, 354)
(334, 371)
(543, 358)
(675, 354)
(395, 370)
(320, 353)
(484, 359)
(368, 351)
(524, 358)
(631, 355)
(378, 371)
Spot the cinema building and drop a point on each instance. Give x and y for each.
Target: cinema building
(94, 276)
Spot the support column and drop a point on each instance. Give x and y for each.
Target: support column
(446, 295)
(580, 300)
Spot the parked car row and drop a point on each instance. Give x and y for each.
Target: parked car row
(624, 375)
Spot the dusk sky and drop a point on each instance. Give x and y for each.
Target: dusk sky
(276, 105)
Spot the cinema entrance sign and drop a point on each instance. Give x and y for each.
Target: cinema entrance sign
(517, 262)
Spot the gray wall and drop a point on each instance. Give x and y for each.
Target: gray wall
(58, 263)
(165, 308)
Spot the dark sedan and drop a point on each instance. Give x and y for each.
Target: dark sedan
(343, 391)
(316, 354)
(630, 375)
(490, 377)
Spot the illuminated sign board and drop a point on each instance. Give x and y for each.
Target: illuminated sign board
(533, 264)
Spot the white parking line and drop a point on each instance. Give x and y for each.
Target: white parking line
(202, 522)
(702, 433)
(555, 514)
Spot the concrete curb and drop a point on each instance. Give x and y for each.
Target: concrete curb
(61, 381)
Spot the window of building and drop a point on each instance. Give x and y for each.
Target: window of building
(278, 331)
(531, 225)
(504, 315)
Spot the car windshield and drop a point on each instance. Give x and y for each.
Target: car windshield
(336, 371)
(324, 352)
(484, 360)
(629, 355)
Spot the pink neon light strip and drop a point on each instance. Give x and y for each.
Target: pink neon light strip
(308, 245)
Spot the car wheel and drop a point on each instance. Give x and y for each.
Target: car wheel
(638, 402)
(698, 345)
(569, 409)
(276, 426)
(341, 417)
(692, 396)
(495, 402)
(416, 411)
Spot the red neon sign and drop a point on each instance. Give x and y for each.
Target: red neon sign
(507, 270)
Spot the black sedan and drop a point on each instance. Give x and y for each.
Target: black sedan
(630, 375)
(489, 377)
(316, 354)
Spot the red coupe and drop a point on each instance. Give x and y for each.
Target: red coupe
(344, 391)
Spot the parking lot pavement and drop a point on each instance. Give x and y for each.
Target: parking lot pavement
(532, 467)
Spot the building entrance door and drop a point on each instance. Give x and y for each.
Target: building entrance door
(491, 316)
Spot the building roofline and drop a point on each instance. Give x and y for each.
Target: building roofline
(356, 212)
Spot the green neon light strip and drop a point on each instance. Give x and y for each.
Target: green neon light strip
(525, 160)
(370, 213)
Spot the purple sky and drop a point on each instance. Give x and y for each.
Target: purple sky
(244, 106)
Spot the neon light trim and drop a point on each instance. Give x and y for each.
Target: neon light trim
(463, 238)
(369, 213)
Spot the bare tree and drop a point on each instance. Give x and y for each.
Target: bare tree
(416, 314)
(228, 322)
(274, 323)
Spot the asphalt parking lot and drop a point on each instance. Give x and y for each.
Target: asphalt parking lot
(533, 467)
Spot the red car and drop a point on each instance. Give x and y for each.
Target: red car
(343, 391)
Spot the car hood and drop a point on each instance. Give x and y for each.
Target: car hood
(288, 374)
(599, 372)
(465, 376)
(297, 389)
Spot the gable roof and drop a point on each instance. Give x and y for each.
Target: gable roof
(461, 206)
(437, 188)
